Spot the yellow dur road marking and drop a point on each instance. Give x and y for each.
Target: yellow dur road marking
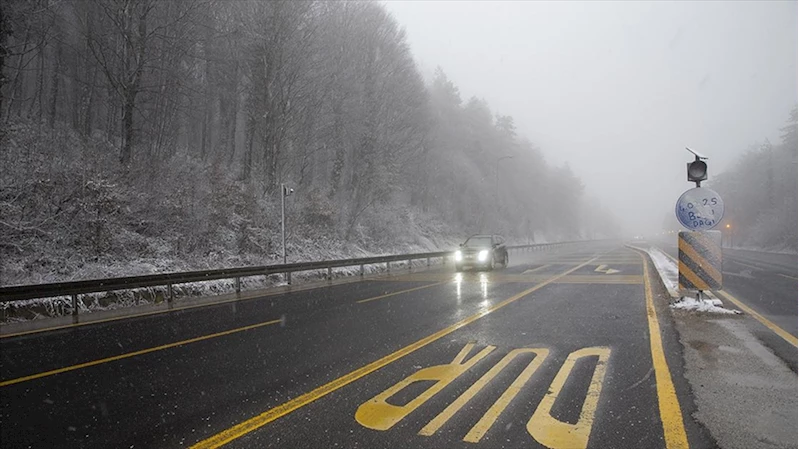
(763, 320)
(533, 270)
(133, 354)
(242, 297)
(378, 414)
(272, 414)
(669, 405)
(697, 259)
(488, 419)
(556, 434)
(785, 335)
(398, 293)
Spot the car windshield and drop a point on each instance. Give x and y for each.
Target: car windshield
(478, 241)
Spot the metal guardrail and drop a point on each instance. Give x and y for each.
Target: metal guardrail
(75, 288)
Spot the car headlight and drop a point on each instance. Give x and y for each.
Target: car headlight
(483, 255)
(458, 256)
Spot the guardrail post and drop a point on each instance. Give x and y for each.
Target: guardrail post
(170, 295)
(288, 277)
(329, 273)
(361, 270)
(388, 267)
(428, 261)
(75, 308)
(410, 266)
(238, 285)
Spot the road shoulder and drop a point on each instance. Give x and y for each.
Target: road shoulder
(732, 374)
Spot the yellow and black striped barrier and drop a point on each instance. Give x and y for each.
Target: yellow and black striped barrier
(700, 260)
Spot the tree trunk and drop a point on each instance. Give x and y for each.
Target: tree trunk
(338, 162)
(127, 128)
(18, 74)
(234, 114)
(247, 168)
(3, 40)
(88, 116)
(54, 83)
(39, 87)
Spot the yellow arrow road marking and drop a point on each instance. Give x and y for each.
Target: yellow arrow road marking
(606, 270)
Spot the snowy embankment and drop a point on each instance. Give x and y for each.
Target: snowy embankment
(669, 274)
(43, 308)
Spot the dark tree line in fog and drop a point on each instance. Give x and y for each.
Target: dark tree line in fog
(151, 115)
(760, 193)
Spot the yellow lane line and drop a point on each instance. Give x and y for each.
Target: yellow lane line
(536, 269)
(398, 293)
(258, 421)
(785, 335)
(133, 354)
(670, 413)
(747, 265)
(763, 320)
(242, 297)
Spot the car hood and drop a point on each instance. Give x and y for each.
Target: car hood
(473, 249)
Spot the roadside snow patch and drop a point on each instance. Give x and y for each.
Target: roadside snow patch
(667, 269)
(705, 305)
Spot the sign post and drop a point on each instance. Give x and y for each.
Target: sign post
(699, 209)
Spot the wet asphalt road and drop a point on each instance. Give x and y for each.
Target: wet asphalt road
(553, 351)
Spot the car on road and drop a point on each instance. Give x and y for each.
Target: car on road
(482, 251)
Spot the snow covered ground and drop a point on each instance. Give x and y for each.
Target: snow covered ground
(705, 305)
(667, 269)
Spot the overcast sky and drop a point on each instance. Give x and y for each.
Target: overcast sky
(618, 89)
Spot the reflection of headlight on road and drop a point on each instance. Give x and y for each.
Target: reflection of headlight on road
(458, 256)
(483, 255)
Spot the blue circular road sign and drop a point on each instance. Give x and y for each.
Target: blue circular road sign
(699, 209)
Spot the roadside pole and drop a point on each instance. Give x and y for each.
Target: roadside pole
(283, 218)
(284, 192)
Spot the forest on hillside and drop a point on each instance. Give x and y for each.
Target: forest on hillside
(160, 131)
(760, 193)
